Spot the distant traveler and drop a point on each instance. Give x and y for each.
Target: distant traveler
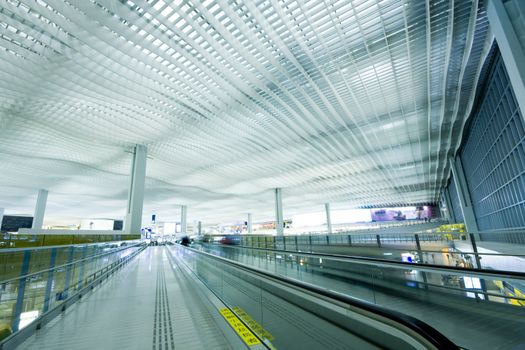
(185, 241)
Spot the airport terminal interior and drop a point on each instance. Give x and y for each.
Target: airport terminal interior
(262, 174)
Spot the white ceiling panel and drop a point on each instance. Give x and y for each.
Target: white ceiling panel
(354, 102)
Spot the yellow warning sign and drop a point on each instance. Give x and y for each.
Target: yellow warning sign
(254, 326)
(246, 335)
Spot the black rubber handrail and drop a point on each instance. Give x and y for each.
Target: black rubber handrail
(402, 264)
(426, 331)
(420, 267)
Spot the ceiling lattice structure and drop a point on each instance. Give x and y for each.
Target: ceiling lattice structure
(357, 103)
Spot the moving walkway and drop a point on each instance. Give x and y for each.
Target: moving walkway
(177, 297)
(476, 309)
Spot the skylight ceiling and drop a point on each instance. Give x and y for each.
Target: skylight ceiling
(351, 102)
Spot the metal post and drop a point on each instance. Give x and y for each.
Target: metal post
(463, 194)
(199, 227)
(279, 222)
(378, 239)
(349, 240)
(49, 284)
(507, 35)
(478, 263)
(296, 244)
(40, 208)
(420, 253)
(21, 291)
(133, 222)
(328, 219)
(475, 250)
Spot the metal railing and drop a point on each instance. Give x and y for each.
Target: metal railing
(48, 277)
(26, 240)
(447, 249)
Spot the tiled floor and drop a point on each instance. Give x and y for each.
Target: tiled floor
(147, 305)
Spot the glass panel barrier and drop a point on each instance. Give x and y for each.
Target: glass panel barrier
(9, 241)
(33, 281)
(277, 315)
(471, 307)
(457, 249)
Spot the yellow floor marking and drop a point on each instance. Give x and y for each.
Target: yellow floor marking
(254, 326)
(246, 335)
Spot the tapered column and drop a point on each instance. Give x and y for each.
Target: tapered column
(249, 223)
(464, 196)
(40, 209)
(183, 217)
(279, 222)
(136, 191)
(328, 218)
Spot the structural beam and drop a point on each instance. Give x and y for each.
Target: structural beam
(133, 221)
(506, 33)
(450, 211)
(1, 216)
(279, 222)
(465, 202)
(40, 209)
(328, 218)
(249, 223)
(183, 218)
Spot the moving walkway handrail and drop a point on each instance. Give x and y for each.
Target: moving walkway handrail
(461, 271)
(424, 330)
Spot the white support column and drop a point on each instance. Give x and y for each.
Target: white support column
(503, 26)
(183, 224)
(279, 222)
(133, 222)
(40, 209)
(249, 223)
(464, 196)
(1, 216)
(328, 218)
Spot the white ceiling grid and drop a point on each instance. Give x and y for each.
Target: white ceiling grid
(357, 102)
